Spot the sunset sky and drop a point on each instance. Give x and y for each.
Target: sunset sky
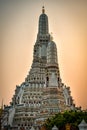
(18, 32)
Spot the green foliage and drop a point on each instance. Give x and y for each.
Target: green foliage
(60, 119)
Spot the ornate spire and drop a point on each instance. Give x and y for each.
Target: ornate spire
(43, 22)
(43, 10)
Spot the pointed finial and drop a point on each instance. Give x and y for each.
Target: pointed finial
(51, 37)
(43, 10)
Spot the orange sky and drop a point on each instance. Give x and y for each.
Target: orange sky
(19, 27)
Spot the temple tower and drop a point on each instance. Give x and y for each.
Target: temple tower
(42, 94)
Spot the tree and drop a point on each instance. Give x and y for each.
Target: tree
(72, 117)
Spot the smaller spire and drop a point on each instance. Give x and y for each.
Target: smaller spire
(43, 10)
(51, 37)
(2, 104)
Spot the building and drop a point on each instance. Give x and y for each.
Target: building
(42, 94)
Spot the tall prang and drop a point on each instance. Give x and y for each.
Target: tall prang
(42, 94)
